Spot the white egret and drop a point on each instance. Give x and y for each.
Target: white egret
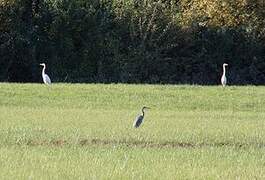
(223, 79)
(139, 119)
(45, 77)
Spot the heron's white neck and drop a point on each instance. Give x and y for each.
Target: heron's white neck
(223, 70)
(43, 70)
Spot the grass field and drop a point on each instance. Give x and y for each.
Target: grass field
(81, 131)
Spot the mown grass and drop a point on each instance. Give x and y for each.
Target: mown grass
(80, 131)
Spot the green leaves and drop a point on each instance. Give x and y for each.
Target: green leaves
(132, 41)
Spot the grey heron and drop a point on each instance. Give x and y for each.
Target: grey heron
(139, 119)
(45, 77)
(223, 79)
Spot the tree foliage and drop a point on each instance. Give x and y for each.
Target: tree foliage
(150, 41)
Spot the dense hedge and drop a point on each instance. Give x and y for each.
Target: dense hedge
(133, 41)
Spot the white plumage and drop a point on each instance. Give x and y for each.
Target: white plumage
(223, 79)
(45, 77)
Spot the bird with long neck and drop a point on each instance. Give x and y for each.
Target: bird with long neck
(143, 110)
(223, 78)
(45, 77)
(138, 121)
(43, 69)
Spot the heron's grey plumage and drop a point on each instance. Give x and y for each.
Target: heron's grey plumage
(139, 119)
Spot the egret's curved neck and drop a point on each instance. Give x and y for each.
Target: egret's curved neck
(223, 69)
(43, 70)
(143, 111)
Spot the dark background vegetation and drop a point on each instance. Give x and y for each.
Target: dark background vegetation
(133, 41)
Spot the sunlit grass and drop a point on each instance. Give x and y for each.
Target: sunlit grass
(71, 131)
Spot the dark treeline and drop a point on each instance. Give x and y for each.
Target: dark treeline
(133, 41)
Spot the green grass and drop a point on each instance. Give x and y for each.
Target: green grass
(81, 131)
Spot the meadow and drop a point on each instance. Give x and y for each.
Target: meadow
(84, 131)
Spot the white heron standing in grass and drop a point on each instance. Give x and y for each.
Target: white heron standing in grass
(223, 79)
(45, 77)
(139, 119)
